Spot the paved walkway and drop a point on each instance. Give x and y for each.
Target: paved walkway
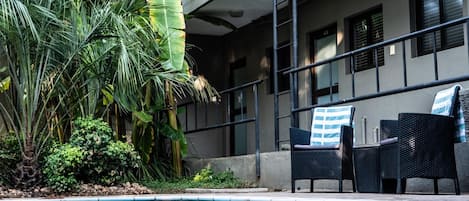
(272, 196)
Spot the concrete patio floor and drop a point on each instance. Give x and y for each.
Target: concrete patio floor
(272, 196)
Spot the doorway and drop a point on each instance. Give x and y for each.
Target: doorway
(238, 107)
(324, 46)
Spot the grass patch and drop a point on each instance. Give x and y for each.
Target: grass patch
(204, 179)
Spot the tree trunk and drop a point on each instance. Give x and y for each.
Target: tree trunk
(27, 171)
(176, 147)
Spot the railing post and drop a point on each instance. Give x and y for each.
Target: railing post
(330, 81)
(187, 128)
(275, 69)
(352, 71)
(294, 77)
(256, 111)
(435, 57)
(206, 114)
(195, 114)
(404, 63)
(377, 68)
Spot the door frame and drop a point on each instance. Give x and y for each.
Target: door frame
(323, 32)
(237, 64)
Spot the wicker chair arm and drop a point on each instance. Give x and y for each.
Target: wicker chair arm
(299, 136)
(428, 127)
(425, 140)
(347, 136)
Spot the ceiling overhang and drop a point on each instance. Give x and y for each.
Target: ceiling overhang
(236, 12)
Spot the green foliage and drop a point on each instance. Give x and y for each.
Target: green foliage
(205, 178)
(60, 169)
(207, 175)
(91, 134)
(204, 175)
(9, 157)
(92, 156)
(120, 157)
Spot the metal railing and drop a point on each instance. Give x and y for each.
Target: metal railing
(402, 39)
(244, 120)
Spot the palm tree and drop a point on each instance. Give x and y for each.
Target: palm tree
(38, 47)
(64, 57)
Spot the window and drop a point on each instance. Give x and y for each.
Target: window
(433, 12)
(367, 29)
(283, 63)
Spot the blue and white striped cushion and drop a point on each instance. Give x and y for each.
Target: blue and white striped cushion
(442, 106)
(327, 122)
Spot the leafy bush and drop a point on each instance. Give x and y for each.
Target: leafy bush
(61, 166)
(9, 157)
(91, 134)
(205, 178)
(206, 175)
(119, 157)
(103, 160)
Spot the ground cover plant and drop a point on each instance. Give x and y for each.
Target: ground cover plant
(205, 178)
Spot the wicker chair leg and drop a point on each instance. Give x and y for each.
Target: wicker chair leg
(311, 186)
(381, 190)
(293, 186)
(403, 184)
(435, 186)
(353, 186)
(398, 186)
(456, 186)
(341, 183)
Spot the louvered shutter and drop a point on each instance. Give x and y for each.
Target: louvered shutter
(434, 12)
(367, 29)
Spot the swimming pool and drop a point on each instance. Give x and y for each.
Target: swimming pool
(176, 198)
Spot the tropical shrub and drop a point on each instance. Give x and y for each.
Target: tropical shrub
(91, 156)
(61, 167)
(91, 134)
(9, 157)
(207, 175)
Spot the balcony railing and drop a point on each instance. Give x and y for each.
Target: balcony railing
(374, 48)
(226, 95)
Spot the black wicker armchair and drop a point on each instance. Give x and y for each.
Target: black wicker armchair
(322, 161)
(419, 146)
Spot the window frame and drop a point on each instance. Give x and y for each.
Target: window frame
(325, 31)
(416, 25)
(367, 14)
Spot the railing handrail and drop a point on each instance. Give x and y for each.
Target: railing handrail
(245, 85)
(382, 44)
(386, 93)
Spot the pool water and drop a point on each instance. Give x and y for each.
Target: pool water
(165, 198)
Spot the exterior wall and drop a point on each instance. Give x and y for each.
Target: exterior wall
(252, 41)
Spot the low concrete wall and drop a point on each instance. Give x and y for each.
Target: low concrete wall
(276, 174)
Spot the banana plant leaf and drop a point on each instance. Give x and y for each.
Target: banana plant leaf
(167, 18)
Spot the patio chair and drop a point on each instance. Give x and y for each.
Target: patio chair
(325, 152)
(422, 145)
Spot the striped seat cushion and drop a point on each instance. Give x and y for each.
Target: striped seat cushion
(327, 123)
(443, 104)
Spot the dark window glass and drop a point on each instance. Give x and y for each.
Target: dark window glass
(367, 29)
(434, 12)
(283, 63)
